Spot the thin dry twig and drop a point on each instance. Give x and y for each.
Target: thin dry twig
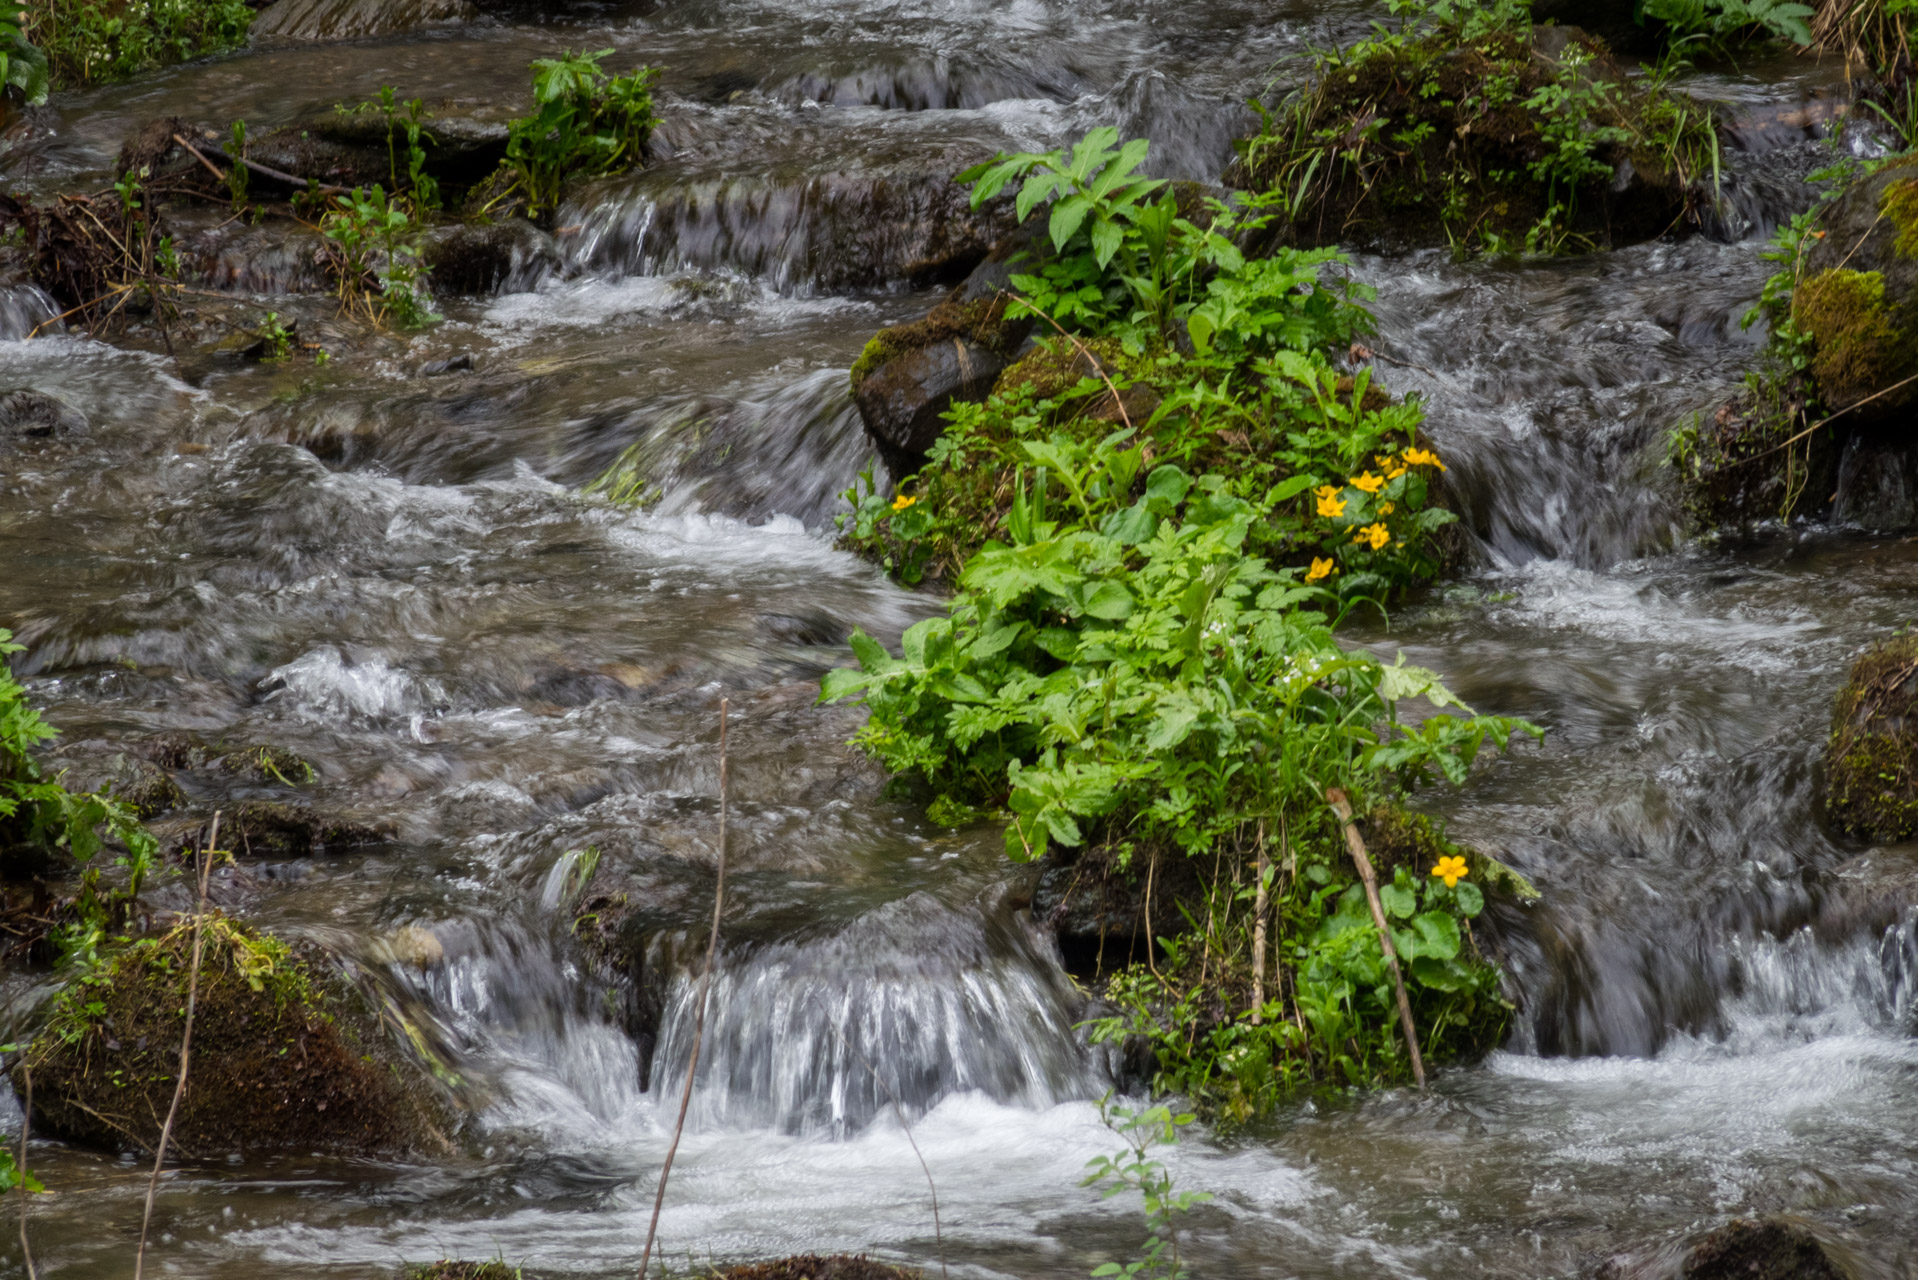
(1356, 846)
(699, 1015)
(1856, 404)
(186, 1045)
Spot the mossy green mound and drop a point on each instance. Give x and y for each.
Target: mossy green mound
(284, 1057)
(1871, 759)
(981, 321)
(1481, 131)
(1861, 343)
(813, 1266)
(446, 1269)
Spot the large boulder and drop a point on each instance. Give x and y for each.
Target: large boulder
(286, 1056)
(1871, 758)
(1857, 296)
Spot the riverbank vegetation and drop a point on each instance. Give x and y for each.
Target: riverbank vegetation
(1153, 528)
(1465, 124)
(94, 41)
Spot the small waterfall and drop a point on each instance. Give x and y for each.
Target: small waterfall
(22, 308)
(912, 1002)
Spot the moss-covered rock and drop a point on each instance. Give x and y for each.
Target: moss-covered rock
(1486, 133)
(1861, 345)
(1871, 758)
(447, 1269)
(1856, 297)
(813, 1266)
(1760, 1249)
(285, 1055)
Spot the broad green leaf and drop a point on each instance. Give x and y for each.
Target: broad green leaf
(1438, 935)
(1398, 901)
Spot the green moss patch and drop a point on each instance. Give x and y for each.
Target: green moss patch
(446, 1269)
(814, 1267)
(1871, 759)
(284, 1057)
(1900, 204)
(1859, 345)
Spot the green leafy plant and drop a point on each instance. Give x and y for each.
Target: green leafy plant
(23, 67)
(585, 123)
(374, 260)
(1722, 25)
(1133, 1169)
(404, 120)
(38, 813)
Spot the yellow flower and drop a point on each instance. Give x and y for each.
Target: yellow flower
(1330, 507)
(1376, 534)
(1320, 569)
(1394, 471)
(1423, 458)
(1368, 482)
(901, 502)
(1450, 869)
(1386, 508)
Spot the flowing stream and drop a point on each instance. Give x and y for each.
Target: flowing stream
(397, 575)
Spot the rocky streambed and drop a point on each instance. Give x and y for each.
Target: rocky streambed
(372, 611)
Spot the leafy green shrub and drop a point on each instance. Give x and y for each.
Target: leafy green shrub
(1153, 526)
(585, 123)
(403, 120)
(38, 814)
(1224, 359)
(90, 41)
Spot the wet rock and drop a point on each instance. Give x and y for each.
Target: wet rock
(485, 259)
(1760, 1249)
(814, 627)
(291, 20)
(1871, 758)
(462, 363)
(26, 414)
(910, 374)
(267, 764)
(1857, 296)
(286, 1055)
(276, 829)
(1105, 916)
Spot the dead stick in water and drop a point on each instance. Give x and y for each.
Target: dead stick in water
(186, 1046)
(699, 1015)
(26, 1123)
(1342, 807)
(938, 1232)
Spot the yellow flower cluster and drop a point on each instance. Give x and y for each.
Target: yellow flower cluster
(1331, 506)
(1450, 869)
(901, 502)
(1320, 569)
(1423, 458)
(1376, 534)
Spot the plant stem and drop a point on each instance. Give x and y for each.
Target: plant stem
(699, 1016)
(1343, 808)
(26, 1123)
(186, 1045)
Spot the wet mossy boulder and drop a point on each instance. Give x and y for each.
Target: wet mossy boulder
(286, 1056)
(1485, 133)
(1856, 297)
(910, 374)
(447, 1269)
(1871, 758)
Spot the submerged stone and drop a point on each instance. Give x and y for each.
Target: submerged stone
(351, 19)
(1760, 1249)
(1871, 758)
(285, 1055)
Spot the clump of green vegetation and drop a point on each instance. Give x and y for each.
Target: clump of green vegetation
(1467, 125)
(1140, 660)
(983, 320)
(281, 1059)
(92, 41)
(585, 124)
(1856, 346)
(374, 260)
(39, 818)
(446, 1269)
(1871, 758)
